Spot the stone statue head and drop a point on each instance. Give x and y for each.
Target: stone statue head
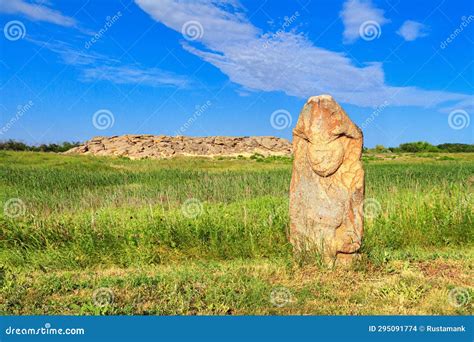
(325, 128)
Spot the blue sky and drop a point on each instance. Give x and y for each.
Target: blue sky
(70, 70)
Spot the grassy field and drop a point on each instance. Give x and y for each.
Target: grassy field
(88, 235)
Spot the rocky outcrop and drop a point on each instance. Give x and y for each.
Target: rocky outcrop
(151, 146)
(327, 185)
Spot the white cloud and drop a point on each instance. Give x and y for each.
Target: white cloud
(133, 75)
(96, 67)
(220, 24)
(355, 13)
(286, 62)
(69, 54)
(36, 12)
(411, 30)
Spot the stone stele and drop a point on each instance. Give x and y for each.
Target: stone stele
(327, 184)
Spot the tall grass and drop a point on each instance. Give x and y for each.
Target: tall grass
(84, 212)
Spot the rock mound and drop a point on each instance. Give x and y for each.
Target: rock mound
(151, 146)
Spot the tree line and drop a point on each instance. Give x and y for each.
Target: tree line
(414, 147)
(423, 146)
(13, 145)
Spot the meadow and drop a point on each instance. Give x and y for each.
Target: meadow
(84, 235)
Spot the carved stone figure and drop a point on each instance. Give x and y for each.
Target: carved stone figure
(327, 185)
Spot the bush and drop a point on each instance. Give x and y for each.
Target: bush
(419, 146)
(380, 149)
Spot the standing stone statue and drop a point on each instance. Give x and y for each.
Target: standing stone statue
(327, 185)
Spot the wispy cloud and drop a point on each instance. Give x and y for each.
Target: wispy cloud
(68, 53)
(36, 12)
(411, 30)
(287, 62)
(357, 12)
(95, 67)
(133, 75)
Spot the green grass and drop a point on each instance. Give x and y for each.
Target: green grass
(128, 226)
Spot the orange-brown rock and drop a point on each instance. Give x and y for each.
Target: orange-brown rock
(327, 185)
(150, 146)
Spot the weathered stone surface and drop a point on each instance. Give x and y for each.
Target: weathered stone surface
(149, 146)
(327, 185)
